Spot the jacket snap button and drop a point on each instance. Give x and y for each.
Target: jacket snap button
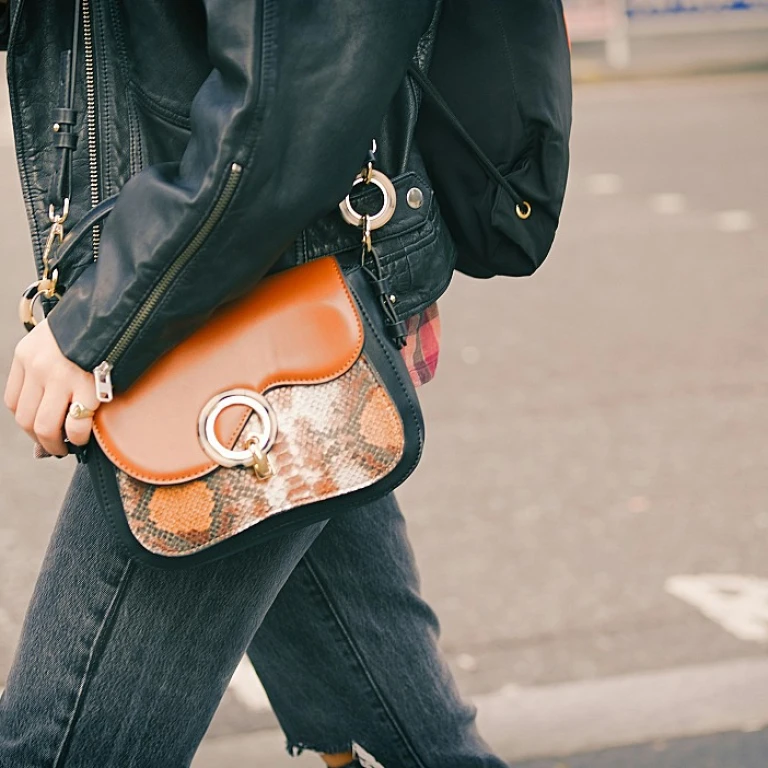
(415, 197)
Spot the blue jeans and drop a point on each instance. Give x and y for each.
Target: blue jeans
(123, 666)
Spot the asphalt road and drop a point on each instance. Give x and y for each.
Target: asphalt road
(730, 750)
(595, 433)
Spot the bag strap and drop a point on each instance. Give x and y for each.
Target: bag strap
(81, 229)
(64, 121)
(428, 89)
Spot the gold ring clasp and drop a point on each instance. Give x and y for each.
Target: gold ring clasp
(45, 288)
(261, 464)
(59, 218)
(387, 211)
(257, 442)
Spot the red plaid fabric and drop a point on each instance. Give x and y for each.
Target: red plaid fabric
(422, 349)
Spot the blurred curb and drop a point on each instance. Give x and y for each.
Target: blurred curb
(587, 72)
(522, 722)
(670, 50)
(591, 715)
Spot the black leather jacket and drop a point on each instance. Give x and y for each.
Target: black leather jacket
(231, 130)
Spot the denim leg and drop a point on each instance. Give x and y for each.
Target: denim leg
(123, 666)
(349, 658)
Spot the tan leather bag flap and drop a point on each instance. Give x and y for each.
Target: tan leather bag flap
(297, 327)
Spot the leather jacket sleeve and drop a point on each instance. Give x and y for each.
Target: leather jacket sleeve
(5, 24)
(279, 130)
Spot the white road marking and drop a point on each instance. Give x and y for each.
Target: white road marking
(761, 520)
(467, 662)
(603, 184)
(247, 687)
(668, 203)
(638, 504)
(470, 355)
(734, 221)
(739, 604)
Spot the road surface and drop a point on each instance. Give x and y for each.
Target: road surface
(596, 455)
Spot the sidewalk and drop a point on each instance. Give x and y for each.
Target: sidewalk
(588, 418)
(679, 48)
(522, 722)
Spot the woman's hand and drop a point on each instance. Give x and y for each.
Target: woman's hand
(41, 386)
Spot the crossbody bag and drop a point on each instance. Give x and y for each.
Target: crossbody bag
(290, 405)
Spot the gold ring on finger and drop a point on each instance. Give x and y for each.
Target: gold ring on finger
(79, 411)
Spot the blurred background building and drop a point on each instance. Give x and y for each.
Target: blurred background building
(629, 30)
(591, 516)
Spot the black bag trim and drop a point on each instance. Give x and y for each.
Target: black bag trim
(391, 370)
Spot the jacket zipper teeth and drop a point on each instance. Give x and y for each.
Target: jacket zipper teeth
(170, 275)
(90, 86)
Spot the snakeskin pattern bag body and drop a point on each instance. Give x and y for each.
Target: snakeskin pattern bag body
(290, 405)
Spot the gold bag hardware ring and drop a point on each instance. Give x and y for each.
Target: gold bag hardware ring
(257, 444)
(387, 210)
(46, 286)
(39, 289)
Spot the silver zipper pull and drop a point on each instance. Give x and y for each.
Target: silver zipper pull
(102, 375)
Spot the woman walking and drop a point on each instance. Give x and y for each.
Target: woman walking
(179, 106)
(124, 665)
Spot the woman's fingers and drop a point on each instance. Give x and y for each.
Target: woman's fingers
(13, 385)
(27, 405)
(49, 421)
(79, 429)
(41, 386)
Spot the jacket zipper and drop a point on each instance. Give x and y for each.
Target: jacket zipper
(103, 372)
(90, 88)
